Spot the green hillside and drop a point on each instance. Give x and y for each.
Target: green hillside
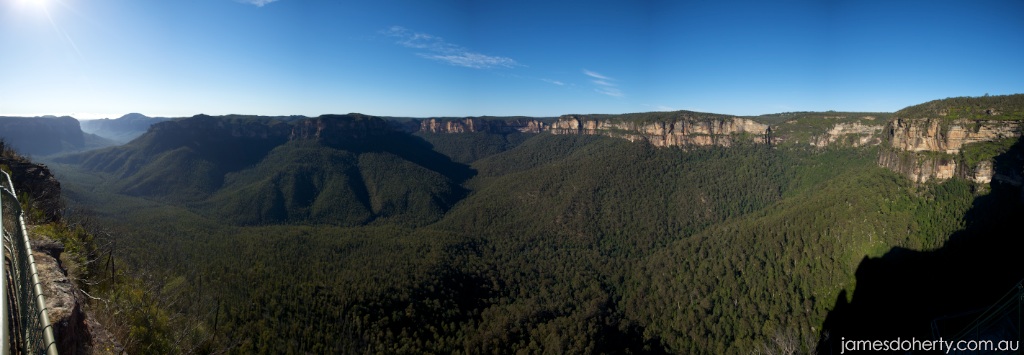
(303, 182)
(350, 170)
(363, 239)
(1000, 107)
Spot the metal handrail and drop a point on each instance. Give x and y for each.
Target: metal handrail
(1012, 299)
(24, 260)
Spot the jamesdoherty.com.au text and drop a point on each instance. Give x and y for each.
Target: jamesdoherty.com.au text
(914, 344)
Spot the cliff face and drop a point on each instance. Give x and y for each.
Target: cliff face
(322, 128)
(684, 131)
(42, 135)
(203, 126)
(919, 167)
(938, 135)
(38, 183)
(854, 134)
(472, 124)
(337, 128)
(63, 299)
(678, 131)
(929, 149)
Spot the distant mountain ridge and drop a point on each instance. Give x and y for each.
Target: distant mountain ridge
(122, 129)
(289, 166)
(47, 135)
(339, 169)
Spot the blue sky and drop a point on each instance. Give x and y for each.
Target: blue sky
(105, 58)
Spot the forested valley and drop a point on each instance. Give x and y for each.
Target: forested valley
(506, 242)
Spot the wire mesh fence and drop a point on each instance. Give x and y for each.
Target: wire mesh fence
(25, 325)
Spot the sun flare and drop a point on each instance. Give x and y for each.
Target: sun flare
(40, 3)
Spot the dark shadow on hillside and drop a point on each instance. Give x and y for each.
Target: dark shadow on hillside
(900, 294)
(408, 147)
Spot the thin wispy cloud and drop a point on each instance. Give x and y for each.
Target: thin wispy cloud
(605, 84)
(595, 75)
(556, 82)
(258, 3)
(436, 48)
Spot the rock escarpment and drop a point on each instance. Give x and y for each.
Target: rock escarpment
(853, 134)
(948, 136)
(682, 130)
(42, 135)
(475, 124)
(336, 130)
(667, 130)
(65, 302)
(919, 167)
(35, 182)
(932, 148)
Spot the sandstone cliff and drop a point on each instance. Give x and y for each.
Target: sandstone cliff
(35, 182)
(660, 129)
(476, 124)
(948, 136)
(927, 149)
(682, 130)
(338, 128)
(853, 134)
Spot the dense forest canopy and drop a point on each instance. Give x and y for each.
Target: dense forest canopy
(389, 242)
(1000, 107)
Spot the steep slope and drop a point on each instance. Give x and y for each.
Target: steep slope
(824, 129)
(498, 125)
(480, 136)
(925, 293)
(665, 129)
(186, 159)
(60, 253)
(767, 280)
(347, 170)
(301, 182)
(955, 137)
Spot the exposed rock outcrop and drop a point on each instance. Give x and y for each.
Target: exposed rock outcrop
(682, 131)
(74, 330)
(928, 148)
(474, 124)
(64, 302)
(215, 128)
(330, 128)
(854, 134)
(37, 183)
(940, 135)
(918, 167)
(983, 173)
